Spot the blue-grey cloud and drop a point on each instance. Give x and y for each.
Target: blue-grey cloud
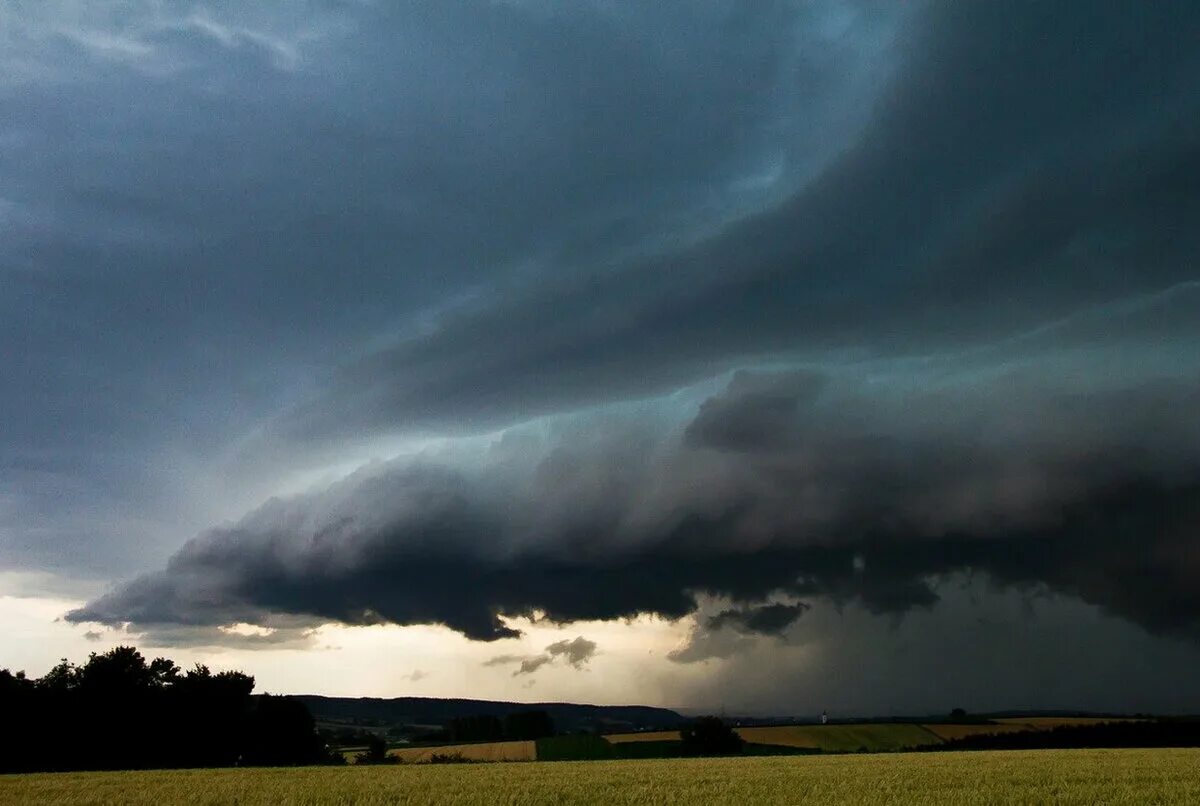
(772, 301)
(211, 212)
(765, 619)
(851, 497)
(959, 215)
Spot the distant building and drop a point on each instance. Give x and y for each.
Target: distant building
(824, 717)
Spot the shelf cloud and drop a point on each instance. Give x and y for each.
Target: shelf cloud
(487, 313)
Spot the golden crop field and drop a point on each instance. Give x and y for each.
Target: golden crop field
(1040, 776)
(648, 736)
(487, 751)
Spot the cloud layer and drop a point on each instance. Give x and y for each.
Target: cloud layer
(436, 313)
(781, 483)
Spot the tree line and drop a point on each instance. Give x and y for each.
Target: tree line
(522, 725)
(118, 711)
(1161, 732)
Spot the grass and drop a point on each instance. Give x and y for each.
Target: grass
(1060, 776)
(829, 738)
(1047, 722)
(668, 748)
(950, 732)
(573, 748)
(843, 738)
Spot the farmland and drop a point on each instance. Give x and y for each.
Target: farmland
(842, 738)
(1047, 722)
(828, 738)
(957, 730)
(837, 738)
(875, 737)
(950, 732)
(482, 751)
(1066, 776)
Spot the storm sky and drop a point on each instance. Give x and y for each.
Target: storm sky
(782, 356)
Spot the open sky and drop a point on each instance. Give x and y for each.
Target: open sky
(780, 356)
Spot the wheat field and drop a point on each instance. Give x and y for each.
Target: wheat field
(483, 751)
(1058, 776)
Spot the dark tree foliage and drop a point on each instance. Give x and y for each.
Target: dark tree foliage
(484, 728)
(1182, 732)
(376, 752)
(282, 733)
(710, 736)
(528, 725)
(488, 728)
(119, 712)
(348, 737)
(449, 758)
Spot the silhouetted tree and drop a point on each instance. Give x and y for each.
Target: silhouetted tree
(1178, 732)
(376, 752)
(118, 711)
(282, 733)
(710, 736)
(483, 728)
(526, 725)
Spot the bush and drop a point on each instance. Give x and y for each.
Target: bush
(448, 758)
(573, 748)
(376, 753)
(710, 736)
(525, 725)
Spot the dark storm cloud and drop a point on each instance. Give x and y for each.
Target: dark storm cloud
(208, 209)
(754, 411)
(242, 250)
(1025, 161)
(769, 619)
(980, 649)
(172, 635)
(856, 497)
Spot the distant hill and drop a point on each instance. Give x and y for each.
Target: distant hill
(374, 711)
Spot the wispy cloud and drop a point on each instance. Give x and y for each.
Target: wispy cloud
(575, 653)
